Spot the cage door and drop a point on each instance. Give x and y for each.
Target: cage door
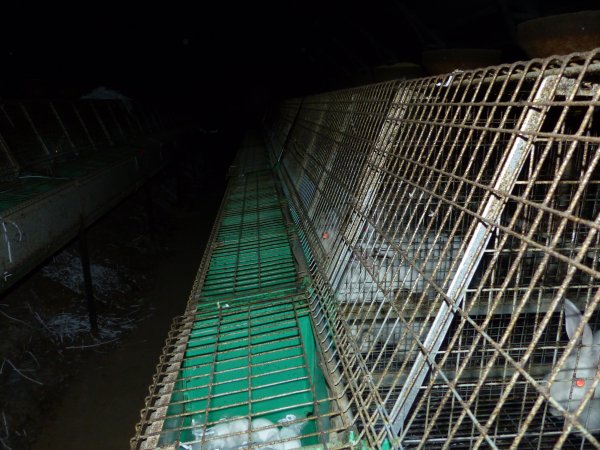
(508, 173)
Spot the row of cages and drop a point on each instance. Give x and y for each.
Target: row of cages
(240, 368)
(450, 225)
(35, 135)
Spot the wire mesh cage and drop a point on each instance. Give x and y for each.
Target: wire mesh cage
(36, 135)
(241, 367)
(46, 143)
(450, 226)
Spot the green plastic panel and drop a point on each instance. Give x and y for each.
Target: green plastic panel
(251, 350)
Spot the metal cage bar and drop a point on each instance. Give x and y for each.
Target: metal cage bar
(57, 174)
(448, 223)
(240, 368)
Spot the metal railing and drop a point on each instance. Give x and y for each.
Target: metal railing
(63, 165)
(38, 134)
(449, 223)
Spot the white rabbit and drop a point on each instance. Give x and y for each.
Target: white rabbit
(222, 435)
(233, 434)
(391, 271)
(289, 431)
(327, 226)
(578, 372)
(423, 247)
(264, 431)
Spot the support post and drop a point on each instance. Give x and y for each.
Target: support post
(87, 281)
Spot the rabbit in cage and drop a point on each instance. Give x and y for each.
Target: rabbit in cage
(578, 372)
(378, 264)
(430, 248)
(408, 269)
(233, 434)
(327, 228)
(220, 436)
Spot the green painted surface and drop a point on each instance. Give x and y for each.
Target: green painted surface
(30, 186)
(251, 351)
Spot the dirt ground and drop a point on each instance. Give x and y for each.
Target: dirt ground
(61, 388)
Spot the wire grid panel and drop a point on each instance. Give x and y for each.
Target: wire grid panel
(36, 134)
(8, 165)
(44, 145)
(240, 368)
(21, 135)
(451, 224)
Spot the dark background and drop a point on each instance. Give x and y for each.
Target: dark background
(219, 63)
(221, 59)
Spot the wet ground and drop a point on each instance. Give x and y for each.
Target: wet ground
(60, 387)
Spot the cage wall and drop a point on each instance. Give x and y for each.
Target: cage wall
(240, 368)
(450, 226)
(63, 165)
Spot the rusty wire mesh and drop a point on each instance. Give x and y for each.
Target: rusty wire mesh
(242, 357)
(445, 221)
